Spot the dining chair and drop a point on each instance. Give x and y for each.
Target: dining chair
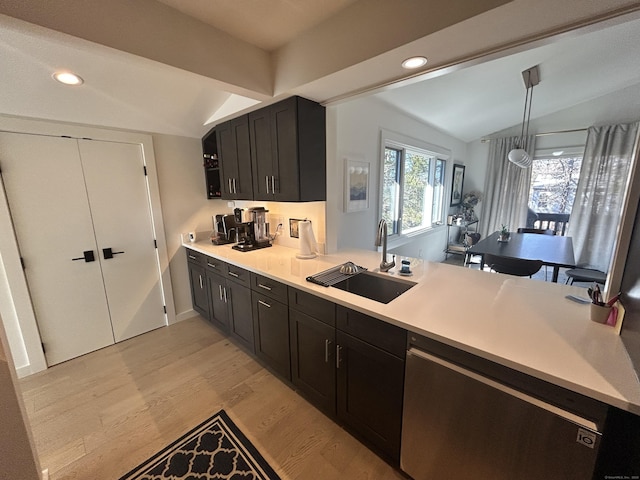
(512, 266)
(541, 231)
(585, 275)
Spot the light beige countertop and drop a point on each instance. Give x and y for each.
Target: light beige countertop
(518, 322)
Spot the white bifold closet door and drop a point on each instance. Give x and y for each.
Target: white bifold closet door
(76, 205)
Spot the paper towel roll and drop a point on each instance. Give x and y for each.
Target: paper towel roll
(308, 245)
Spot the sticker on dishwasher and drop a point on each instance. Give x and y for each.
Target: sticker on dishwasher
(586, 438)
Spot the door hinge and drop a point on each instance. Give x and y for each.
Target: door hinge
(165, 309)
(155, 243)
(144, 167)
(22, 263)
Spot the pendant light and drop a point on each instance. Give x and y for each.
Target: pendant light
(519, 155)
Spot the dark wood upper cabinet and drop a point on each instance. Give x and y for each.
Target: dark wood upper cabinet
(234, 155)
(288, 151)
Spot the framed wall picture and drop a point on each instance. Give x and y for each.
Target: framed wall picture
(356, 185)
(456, 188)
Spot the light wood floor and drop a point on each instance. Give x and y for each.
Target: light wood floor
(98, 416)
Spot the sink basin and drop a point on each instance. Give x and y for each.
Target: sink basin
(380, 288)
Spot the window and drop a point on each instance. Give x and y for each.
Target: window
(413, 187)
(553, 183)
(554, 179)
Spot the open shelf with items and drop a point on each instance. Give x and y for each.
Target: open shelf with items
(211, 165)
(460, 245)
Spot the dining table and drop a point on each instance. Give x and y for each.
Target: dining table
(553, 250)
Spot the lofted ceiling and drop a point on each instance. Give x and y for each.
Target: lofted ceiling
(322, 50)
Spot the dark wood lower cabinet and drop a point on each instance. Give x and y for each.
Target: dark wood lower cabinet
(199, 294)
(349, 365)
(219, 314)
(240, 314)
(271, 332)
(370, 392)
(313, 365)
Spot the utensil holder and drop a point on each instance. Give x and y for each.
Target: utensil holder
(599, 313)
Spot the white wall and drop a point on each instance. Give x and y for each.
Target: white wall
(356, 126)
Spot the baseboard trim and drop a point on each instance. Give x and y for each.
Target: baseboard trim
(185, 315)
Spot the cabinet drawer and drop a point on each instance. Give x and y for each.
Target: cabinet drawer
(238, 275)
(312, 305)
(196, 257)
(373, 331)
(215, 265)
(269, 287)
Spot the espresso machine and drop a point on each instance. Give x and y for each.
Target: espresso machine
(253, 233)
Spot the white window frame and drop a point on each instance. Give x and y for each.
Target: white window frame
(398, 141)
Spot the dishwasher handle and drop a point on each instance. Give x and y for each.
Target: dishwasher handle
(571, 417)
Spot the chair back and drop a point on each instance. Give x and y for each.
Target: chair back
(541, 231)
(512, 266)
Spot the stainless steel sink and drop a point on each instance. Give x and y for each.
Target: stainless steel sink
(381, 288)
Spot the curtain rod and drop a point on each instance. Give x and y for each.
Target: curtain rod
(544, 134)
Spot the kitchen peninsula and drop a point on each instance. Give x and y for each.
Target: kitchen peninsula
(527, 326)
(523, 324)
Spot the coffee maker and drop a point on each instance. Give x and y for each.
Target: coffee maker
(254, 233)
(224, 229)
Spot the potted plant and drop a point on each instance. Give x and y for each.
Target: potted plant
(504, 234)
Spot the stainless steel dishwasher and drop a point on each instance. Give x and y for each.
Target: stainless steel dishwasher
(469, 418)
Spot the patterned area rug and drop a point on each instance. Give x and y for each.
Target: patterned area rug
(215, 449)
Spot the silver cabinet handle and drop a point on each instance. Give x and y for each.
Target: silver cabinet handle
(266, 287)
(264, 303)
(212, 265)
(234, 186)
(266, 179)
(220, 288)
(230, 188)
(201, 287)
(273, 184)
(233, 274)
(225, 294)
(338, 359)
(327, 345)
(192, 257)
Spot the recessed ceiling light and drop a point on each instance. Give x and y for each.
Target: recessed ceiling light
(414, 62)
(68, 78)
(557, 153)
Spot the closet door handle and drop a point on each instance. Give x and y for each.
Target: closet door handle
(109, 253)
(88, 256)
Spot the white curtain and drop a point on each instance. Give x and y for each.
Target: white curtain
(506, 188)
(597, 209)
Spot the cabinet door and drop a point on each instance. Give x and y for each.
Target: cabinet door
(261, 154)
(271, 330)
(284, 140)
(370, 390)
(235, 159)
(240, 315)
(199, 294)
(219, 314)
(313, 364)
